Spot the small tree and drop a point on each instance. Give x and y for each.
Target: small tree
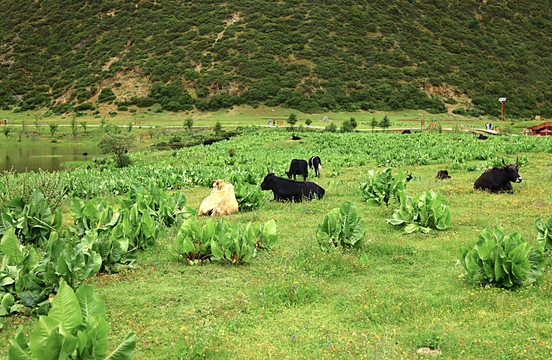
(37, 123)
(20, 134)
(189, 123)
(331, 127)
(83, 124)
(24, 128)
(385, 123)
(103, 122)
(292, 120)
(74, 126)
(346, 126)
(354, 123)
(308, 122)
(217, 129)
(7, 131)
(374, 123)
(53, 129)
(129, 126)
(118, 145)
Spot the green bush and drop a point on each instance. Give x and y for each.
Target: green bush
(382, 187)
(248, 197)
(75, 328)
(223, 242)
(544, 229)
(32, 220)
(341, 227)
(503, 260)
(331, 127)
(422, 213)
(106, 95)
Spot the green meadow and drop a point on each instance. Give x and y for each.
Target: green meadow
(396, 294)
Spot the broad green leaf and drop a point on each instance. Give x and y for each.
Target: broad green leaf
(66, 308)
(45, 328)
(11, 246)
(5, 305)
(125, 350)
(90, 303)
(19, 349)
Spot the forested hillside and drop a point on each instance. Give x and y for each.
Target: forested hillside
(312, 55)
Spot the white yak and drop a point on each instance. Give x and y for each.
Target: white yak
(222, 200)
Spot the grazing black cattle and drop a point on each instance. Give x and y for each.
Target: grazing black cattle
(212, 141)
(482, 137)
(298, 167)
(85, 154)
(289, 190)
(409, 176)
(406, 132)
(498, 179)
(293, 137)
(443, 174)
(316, 165)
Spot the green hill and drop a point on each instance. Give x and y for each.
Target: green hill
(438, 56)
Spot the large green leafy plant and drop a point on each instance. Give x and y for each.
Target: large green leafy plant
(92, 215)
(380, 188)
(422, 213)
(223, 242)
(544, 229)
(166, 208)
(33, 219)
(27, 280)
(248, 197)
(75, 328)
(341, 227)
(503, 260)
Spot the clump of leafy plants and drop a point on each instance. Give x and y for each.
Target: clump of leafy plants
(33, 220)
(380, 188)
(166, 208)
(422, 213)
(75, 328)
(248, 197)
(223, 242)
(503, 260)
(544, 229)
(27, 280)
(341, 227)
(95, 215)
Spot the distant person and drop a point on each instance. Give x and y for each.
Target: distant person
(5, 122)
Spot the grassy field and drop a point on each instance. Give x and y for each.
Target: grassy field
(398, 294)
(246, 115)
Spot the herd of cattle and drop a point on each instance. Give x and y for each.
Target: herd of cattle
(222, 200)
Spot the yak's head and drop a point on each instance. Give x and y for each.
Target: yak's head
(268, 181)
(218, 184)
(512, 171)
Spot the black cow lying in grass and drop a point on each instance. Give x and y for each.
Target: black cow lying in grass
(290, 190)
(443, 174)
(498, 179)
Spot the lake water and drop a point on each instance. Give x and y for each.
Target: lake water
(47, 157)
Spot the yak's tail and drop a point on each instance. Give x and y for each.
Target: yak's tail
(319, 169)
